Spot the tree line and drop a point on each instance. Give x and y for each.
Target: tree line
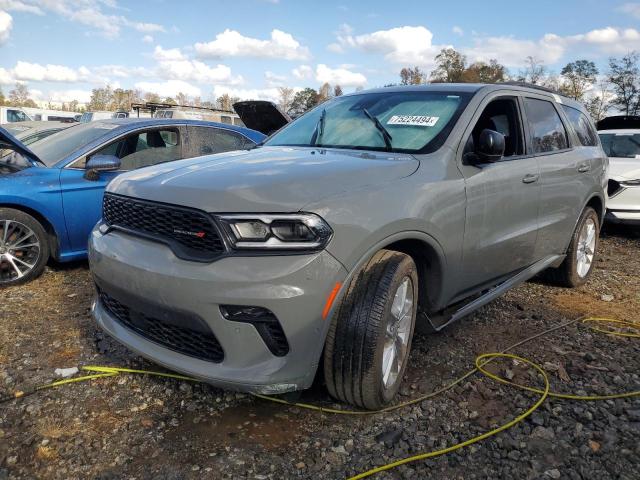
(618, 87)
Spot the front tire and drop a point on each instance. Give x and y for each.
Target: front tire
(576, 268)
(24, 247)
(369, 339)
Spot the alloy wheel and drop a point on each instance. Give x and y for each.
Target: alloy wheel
(397, 333)
(19, 250)
(586, 247)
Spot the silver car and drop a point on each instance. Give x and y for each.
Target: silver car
(372, 215)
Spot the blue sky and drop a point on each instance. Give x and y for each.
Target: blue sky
(64, 48)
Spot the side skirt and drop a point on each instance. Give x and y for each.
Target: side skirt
(438, 322)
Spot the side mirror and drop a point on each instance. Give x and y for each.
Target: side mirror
(490, 146)
(100, 163)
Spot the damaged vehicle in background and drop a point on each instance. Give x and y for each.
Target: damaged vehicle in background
(51, 192)
(620, 137)
(370, 215)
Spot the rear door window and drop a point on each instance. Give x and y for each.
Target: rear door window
(209, 140)
(547, 130)
(142, 149)
(582, 126)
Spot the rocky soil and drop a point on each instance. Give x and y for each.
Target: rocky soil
(139, 427)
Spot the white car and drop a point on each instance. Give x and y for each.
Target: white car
(622, 146)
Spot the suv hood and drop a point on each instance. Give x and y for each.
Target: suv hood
(267, 179)
(260, 115)
(12, 143)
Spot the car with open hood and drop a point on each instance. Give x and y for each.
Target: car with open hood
(325, 247)
(51, 192)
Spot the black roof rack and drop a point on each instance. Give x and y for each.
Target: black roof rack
(153, 106)
(532, 85)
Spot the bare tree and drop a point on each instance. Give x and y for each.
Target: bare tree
(624, 75)
(534, 71)
(450, 66)
(337, 91)
(182, 98)
(20, 96)
(412, 76)
(285, 95)
(598, 101)
(324, 93)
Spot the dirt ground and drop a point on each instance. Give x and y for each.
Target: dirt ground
(141, 427)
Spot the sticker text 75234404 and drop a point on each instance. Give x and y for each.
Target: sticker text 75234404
(413, 120)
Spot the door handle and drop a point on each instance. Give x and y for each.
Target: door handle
(583, 168)
(530, 178)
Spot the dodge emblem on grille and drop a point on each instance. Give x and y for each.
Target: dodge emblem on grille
(191, 234)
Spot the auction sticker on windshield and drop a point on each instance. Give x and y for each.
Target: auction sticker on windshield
(414, 120)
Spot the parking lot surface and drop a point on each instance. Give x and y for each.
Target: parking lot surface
(133, 426)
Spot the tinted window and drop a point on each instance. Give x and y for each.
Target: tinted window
(208, 140)
(62, 144)
(621, 145)
(582, 126)
(547, 129)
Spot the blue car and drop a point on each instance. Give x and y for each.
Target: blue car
(51, 192)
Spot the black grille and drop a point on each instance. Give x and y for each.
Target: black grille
(198, 343)
(613, 188)
(191, 234)
(274, 337)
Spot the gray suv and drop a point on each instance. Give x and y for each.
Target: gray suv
(372, 215)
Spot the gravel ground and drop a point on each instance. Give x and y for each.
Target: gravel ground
(141, 427)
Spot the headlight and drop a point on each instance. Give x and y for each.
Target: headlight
(630, 183)
(296, 231)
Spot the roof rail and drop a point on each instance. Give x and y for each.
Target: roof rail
(532, 85)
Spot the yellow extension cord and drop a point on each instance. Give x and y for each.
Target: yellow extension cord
(480, 362)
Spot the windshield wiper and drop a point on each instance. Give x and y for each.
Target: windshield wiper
(385, 133)
(317, 133)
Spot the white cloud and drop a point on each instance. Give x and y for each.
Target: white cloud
(457, 30)
(274, 80)
(632, 9)
(20, 6)
(271, 94)
(6, 78)
(174, 65)
(147, 39)
(303, 72)
(83, 12)
(169, 88)
(45, 73)
(339, 76)
(232, 43)
(552, 48)
(6, 22)
(405, 45)
(82, 96)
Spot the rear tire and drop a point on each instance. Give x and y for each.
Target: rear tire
(576, 268)
(24, 247)
(376, 318)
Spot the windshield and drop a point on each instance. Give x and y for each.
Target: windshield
(61, 144)
(412, 121)
(621, 145)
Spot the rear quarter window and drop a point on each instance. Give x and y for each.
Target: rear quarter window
(582, 126)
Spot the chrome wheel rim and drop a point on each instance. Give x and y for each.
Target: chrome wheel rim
(397, 333)
(19, 250)
(586, 247)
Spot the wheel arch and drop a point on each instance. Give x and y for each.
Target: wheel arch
(46, 224)
(597, 203)
(430, 262)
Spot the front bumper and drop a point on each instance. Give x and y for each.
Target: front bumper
(294, 287)
(624, 206)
